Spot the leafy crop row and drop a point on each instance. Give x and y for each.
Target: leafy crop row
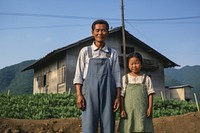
(39, 106)
(172, 107)
(45, 106)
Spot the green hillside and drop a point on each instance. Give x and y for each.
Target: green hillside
(11, 78)
(186, 75)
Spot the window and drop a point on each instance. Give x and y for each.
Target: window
(43, 80)
(128, 50)
(61, 75)
(149, 65)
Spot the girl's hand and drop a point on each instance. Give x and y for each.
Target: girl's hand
(123, 114)
(149, 112)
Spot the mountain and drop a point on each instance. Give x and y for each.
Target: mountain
(17, 82)
(186, 75)
(11, 78)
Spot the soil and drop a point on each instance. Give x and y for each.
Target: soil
(188, 123)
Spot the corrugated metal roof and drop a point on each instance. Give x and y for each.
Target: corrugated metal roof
(180, 86)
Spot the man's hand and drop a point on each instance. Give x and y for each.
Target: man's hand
(116, 104)
(80, 102)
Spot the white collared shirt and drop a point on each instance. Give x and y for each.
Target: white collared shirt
(136, 80)
(83, 62)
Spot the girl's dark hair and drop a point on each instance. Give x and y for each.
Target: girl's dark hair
(137, 55)
(100, 21)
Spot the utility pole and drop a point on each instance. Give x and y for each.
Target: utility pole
(123, 36)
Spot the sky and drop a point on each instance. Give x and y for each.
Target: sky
(30, 29)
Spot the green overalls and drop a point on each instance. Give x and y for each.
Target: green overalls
(136, 104)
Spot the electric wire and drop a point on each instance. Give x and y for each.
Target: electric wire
(175, 20)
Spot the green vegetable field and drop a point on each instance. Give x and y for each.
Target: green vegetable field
(46, 106)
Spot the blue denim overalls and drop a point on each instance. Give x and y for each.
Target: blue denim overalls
(99, 91)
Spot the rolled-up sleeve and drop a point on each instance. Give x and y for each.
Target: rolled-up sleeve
(150, 89)
(116, 69)
(78, 78)
(123, 89)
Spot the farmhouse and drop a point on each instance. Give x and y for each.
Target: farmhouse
(54, 73)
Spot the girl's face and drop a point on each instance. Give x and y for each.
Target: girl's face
(134, 65)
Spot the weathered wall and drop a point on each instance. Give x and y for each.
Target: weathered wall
(51, 70)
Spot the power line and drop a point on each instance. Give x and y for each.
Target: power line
(159, 22)
(166, 19)
(51, 16)
(49, 26)
(39, 27)
(60, 26)
(129, 21)
(79, 17)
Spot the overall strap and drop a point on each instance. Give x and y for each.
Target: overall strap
(126, 79)
(144, 80)
(109, 50)
(108, 54)
(89, 51)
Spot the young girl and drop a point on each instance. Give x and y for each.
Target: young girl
(136, 98)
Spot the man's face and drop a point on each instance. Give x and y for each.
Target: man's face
(100, 32)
